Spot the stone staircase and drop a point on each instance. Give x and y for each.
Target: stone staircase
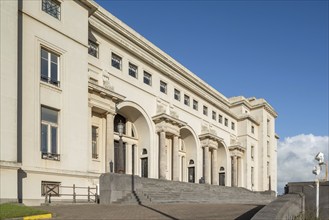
(148, 191)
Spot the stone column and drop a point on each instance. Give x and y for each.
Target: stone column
(175, 159)
(207, 165)
(234, 171)
(109, 150)
(214, 168)
(162, 155)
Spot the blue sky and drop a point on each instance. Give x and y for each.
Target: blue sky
(277, 50)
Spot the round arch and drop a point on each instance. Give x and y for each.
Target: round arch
(223, 160)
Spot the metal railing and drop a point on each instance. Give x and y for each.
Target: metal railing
(78, 193)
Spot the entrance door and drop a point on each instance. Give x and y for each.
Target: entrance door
(116, 156)
(222, 179)
(144, 162)
(191, 175)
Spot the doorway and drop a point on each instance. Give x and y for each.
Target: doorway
(144, 166)
(116, 156)
(191, 175)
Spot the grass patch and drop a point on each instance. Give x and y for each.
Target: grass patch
(10, 210)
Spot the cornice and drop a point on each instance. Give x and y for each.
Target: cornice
(247, 116)
(262, 103)
(211, 137)
(163, 117)
(115, 97)
(10, 165)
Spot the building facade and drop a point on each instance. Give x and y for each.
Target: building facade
(71, 72)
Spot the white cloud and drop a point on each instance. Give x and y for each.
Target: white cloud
(296, 158)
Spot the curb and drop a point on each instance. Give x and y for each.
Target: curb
(32, 217)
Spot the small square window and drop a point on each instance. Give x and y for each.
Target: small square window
(177, 94)
(163, 87)
(214, 115)
(195, 105)
(187, 100)
(116, 61)
(226, 122)
(220, 119)
(52, 7)
(205, 110)
(93, 48)
(133, 70)
(147, 78)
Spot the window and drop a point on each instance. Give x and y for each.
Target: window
(252, 176)
(253, 129)
(52, 7)
(177, 94)
(205, 110)
(220, 119)
(226, 122)
(252, 153)
(268, 148)
(195, 105)
(163, 87)
(49, 67)
(232, 125)
(50, 188)
(116, 61)
(268, 127)
(49, 133)
(187, 100)
(147, 78)
(268, 168)
(214, 115)
(94, 142)
(132, 70)
(93, 48)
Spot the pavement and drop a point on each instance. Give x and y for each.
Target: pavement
(154, 211)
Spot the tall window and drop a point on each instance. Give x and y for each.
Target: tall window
(252, 153)
(49, 67)
(253, 129)
(163, 87)
(147, 78)
(177, 94)
(268, 148)
(252, 176)
(213, 115)
(195, 105)
(232, 125)
(205, 110)
(220, 119)
(49, 133)
(133, 70)
(52, 7)
(94, 142)
(187, 100)
(268, 168)
(268, 127)
(93, 48)
(116, 61)
(226, 122)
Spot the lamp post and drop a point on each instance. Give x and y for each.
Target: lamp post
(316, 171)
(120, 150)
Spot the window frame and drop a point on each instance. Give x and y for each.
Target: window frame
(232, 125)
(177, 95)
(163, 87)
(195, 105)
(205, 110)
(49, 77)
(93, 46)
(226, 122)
(145, 78)
(58, 9)
(95, 148)
(213, 116)
(48, 153)
(116, 61)
(220, 118)
(186, 100)
(133, 70)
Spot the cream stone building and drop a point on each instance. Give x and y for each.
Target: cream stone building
(71, 72)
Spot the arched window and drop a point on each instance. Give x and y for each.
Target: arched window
(191, 162)
(222, 169)
(144, 152)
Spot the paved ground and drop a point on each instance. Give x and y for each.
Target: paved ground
(154, 211)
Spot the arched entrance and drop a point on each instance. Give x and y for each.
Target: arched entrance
(188, 154)
(136, 139)
(222, 155)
